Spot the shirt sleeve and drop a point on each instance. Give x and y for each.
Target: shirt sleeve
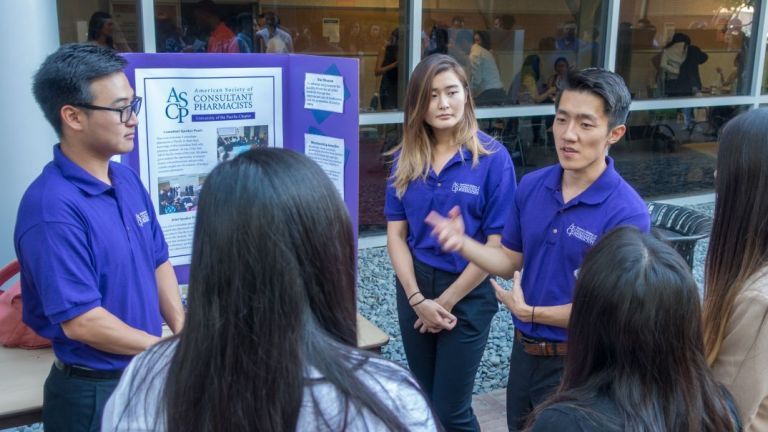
(393, 206)
(502, 195)
(511, 236)
(58, 260)
(641, 221)
(743, 357)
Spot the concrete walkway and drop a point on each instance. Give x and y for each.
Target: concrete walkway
(491, 412)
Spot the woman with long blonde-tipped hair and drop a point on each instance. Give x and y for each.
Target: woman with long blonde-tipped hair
(445, 304)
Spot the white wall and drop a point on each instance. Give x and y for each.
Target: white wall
(30, 32)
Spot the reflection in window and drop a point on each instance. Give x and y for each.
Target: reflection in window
(111, 24)
(685, 48)
(661, 156)
(370, 33)
(516, 52)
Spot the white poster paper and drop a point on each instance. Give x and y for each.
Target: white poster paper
(324, 92)
(192, 120)
(328, 152)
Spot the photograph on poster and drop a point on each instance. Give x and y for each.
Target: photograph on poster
(231, 141)
(179, 194)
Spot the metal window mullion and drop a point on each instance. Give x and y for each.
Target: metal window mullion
(612, 37)
(147, 23)
(414, 41)
(758, 51)
(693, 102)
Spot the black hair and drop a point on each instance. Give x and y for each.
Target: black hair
(271, 298)
(485, 38)
(95, 24)
(634, 336)
(65, 77)
(679, 37)
(608, 86)
(245, 22)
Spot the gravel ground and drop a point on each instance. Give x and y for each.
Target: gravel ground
(376, 301)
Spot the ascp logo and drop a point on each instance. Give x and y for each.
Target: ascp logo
(176, 105)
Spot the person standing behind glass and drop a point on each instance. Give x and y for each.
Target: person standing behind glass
(484, 81)
(736, 277)
(445, 305)
(245, 35)
(274, 39)
(387, 68)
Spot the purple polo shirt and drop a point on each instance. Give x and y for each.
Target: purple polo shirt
(554, 236)
(483, 192)
(82, 244)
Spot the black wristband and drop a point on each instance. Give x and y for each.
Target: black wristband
(419, 302)
(411, 296)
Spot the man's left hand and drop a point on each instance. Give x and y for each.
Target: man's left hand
(514, 299)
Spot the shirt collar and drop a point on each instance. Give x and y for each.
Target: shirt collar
(77, 175)
(597, 192)
(461, 156)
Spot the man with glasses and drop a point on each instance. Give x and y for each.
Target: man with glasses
(95, 274)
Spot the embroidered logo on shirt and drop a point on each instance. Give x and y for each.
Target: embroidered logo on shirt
(466, 188)
(142, 218)
(581, 234)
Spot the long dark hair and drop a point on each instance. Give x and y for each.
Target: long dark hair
(271, 299)
(634, 336)
(95, 24)
(738, 247)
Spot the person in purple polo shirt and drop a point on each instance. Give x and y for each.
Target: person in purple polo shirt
(559, 212)
(95, 275)
(445, 304)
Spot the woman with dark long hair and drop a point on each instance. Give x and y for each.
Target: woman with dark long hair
(444, 303)
(270, 337)
(635, 350)
(100, 29)
(736, 295)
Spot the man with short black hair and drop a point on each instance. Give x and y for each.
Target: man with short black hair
(559, 212)
(95, 275)
(275, 39)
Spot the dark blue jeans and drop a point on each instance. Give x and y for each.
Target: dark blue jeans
(72, 403)
(445, 363)
(532, 379)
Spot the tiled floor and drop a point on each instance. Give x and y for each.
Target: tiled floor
(490, 409)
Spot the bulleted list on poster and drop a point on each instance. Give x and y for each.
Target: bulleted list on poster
(328, 152)
(194, 120)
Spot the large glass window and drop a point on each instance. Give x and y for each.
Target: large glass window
(516, 51)
(371, 31)
(685, 48)
(112, 23)
(661, 157)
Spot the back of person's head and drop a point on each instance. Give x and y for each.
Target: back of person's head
(608, 86)
(271, 299)
(634, 336)
(738, 246)
(531, 65)
(65, 77)
(677, 38)
(485, 39)
(245, 22)
(96, 23)
(271, 19)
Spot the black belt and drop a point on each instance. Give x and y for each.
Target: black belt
(84, 372)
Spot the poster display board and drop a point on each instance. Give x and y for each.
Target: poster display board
(200, 110)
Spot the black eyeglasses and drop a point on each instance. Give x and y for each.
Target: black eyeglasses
(125, 112)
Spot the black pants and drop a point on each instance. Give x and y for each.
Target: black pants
(72, 403)
(445, 363)
(532, 379)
